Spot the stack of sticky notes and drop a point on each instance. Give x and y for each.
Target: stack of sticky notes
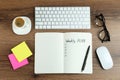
(19, 55)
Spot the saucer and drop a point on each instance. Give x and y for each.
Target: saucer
(23, 30)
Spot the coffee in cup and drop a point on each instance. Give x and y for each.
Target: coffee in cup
(19, 22)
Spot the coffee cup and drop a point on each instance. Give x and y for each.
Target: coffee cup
(19, 22)
(21, 25)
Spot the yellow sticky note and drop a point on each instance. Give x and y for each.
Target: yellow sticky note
(21, 51)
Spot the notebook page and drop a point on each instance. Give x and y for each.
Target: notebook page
(49, 53)
(76, 45)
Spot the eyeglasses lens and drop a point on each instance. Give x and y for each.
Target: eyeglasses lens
(102, 35)
(99, 22)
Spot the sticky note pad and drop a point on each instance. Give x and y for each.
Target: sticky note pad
(15, 63)
(21, 51)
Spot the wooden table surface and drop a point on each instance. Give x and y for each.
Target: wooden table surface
(9, 9)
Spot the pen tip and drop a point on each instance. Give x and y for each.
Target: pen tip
(82, 70)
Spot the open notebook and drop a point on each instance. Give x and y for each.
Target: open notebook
(62, 52)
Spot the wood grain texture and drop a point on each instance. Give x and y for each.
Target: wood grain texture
(9, 9)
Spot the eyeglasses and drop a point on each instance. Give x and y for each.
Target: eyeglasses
(103, 34)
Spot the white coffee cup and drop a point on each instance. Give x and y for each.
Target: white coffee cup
(19, 22)
(21, 25)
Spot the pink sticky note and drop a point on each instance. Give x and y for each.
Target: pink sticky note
(15, 63)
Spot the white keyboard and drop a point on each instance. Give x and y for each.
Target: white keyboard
(62, 18)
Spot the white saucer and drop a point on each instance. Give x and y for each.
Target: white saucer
(24, 30)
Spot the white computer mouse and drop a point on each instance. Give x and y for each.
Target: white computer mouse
(104, 57)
